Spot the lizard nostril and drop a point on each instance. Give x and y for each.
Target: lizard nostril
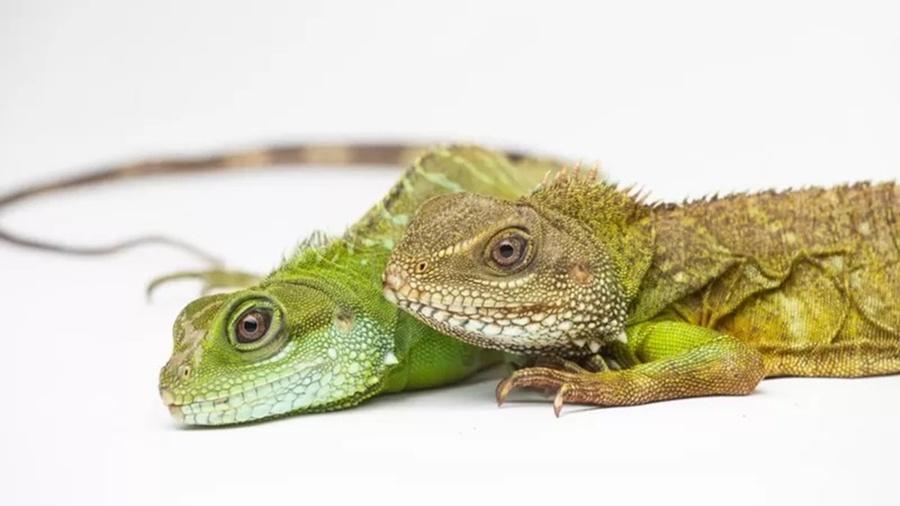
(393, 278)
(168, 397)
(184, 371)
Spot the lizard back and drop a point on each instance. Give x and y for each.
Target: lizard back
(809, 277)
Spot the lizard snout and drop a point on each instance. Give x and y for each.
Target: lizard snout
(393, 280)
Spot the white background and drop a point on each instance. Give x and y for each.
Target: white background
(685, 98)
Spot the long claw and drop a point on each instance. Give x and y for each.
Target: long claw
(560, 399)
(580, 387)
(503, 390)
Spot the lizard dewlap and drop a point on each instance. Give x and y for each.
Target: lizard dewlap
(629, 302)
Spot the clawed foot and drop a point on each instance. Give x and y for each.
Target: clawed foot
(574, 386)
(213, 280)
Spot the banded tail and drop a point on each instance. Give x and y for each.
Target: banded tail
(292, 155)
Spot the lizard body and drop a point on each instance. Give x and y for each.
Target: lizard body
(702, 298)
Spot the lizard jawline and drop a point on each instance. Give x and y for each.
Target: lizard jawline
(530, 328)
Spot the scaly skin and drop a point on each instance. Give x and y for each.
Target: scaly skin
(633, 303)
(332, 341)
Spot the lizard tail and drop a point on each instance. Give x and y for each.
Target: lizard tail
(293, 155)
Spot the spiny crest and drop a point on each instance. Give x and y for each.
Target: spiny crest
(770, 192)
(320, 249)
(316, 249)
(577, 188)
(564, 176)
(317, 239)
(640, 195)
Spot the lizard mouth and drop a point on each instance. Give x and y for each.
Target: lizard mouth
(282, 395)
(484, 322)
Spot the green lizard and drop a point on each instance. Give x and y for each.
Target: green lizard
(315, 334)
(629, 302)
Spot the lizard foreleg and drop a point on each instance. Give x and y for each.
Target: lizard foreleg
(675, 360)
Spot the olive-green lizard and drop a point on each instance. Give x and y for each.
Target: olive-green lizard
(628, 302)
(315, 334)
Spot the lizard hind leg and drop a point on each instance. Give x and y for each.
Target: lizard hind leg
(213, 280)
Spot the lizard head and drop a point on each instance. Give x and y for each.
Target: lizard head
(506, 275)
(273, 349)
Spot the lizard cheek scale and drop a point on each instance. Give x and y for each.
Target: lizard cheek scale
(500, 315)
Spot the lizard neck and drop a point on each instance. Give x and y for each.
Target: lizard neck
(617, 225)
(686, 257)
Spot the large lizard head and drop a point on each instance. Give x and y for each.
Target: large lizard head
(499, 274)
(523, 276)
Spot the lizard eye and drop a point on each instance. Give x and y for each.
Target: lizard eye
(258, 323)
(252, 325)
(509, 250)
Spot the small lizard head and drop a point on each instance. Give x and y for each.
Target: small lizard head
(506, 275)
(277, 348)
